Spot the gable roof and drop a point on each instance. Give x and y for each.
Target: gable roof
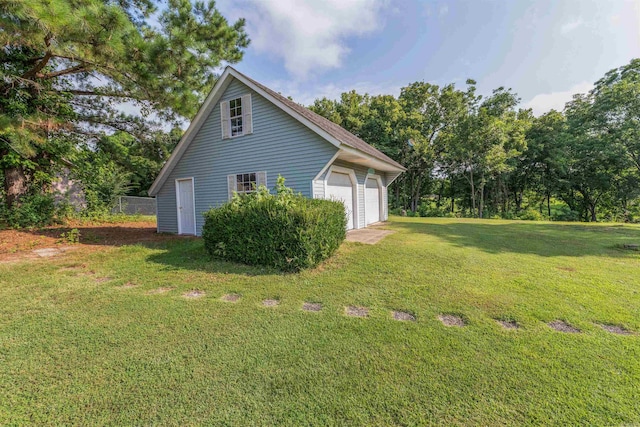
(328, 130)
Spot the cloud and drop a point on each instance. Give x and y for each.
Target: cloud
(544, 102)
(310, 36)
(568, 27)
(305, 95)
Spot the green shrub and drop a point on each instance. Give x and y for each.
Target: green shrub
(531, 215)
(281, 230)
(36, 210)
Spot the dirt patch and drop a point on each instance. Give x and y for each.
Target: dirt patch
(230, 298)
(103, 279)
(508, 324)
(566, 268)
(452, 320)
(162, 290)
(270, 302)
(128, 285)
(615, 329)
(356, 311)
(193, 294)
(17, 245)
(404, 316)
(312, 306)
(562, 326)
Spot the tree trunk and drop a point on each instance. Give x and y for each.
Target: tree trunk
(592, 211)
(473, 192)
(15, 184)
(549, 205)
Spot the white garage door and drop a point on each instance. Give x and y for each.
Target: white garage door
(372, 197)
(339, 187)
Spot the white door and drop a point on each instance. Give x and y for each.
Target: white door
(372, 204)
(186, 208)
(339, 187)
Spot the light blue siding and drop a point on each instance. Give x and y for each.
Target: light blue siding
(279, 145)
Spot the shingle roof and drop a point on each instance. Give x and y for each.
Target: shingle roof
(336, 131)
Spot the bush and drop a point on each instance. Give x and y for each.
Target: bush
(531, 215)
(281, 230)
(37, 210)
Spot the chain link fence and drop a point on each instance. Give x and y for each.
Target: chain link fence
(132, 205)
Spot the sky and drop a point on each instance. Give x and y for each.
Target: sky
(545, 50)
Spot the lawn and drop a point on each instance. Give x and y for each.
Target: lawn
(84, 339)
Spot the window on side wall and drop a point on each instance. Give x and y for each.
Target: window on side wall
(246, 182)
(235, 116)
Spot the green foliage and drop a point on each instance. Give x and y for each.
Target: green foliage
(531, 215)
(282, 230)
(36, 210)
(67, 67)
(71, 237)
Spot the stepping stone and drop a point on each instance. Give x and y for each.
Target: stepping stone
(356, 311)
(404, 316)
(230, 298)
(508, 324)
(46, 252)
(312, 306)
(128, 285)
(615, 329)
(452, 320)
(270, 302)
(193, 294)
(163, 290)
(562, 326)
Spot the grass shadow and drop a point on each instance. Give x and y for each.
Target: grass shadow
(542, 239)
(190, 254)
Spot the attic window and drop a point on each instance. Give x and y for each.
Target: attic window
(235, 115)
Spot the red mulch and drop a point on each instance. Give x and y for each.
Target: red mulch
(14, 244)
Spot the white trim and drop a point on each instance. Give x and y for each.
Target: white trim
(210, 103)
(354, 188)
(193, 199)
(378, 178)
(325, 167)
(195, 125)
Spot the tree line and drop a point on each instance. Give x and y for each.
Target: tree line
(476, 156)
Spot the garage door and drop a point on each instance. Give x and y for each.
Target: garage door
(372, 197)
(339, 187)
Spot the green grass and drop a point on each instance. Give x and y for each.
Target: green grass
(75, 351)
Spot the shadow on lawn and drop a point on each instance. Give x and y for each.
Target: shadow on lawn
(190, 254)
(547, 240)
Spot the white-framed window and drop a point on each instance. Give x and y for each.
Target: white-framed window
(236, 118)
(235, 115)
(246, 182)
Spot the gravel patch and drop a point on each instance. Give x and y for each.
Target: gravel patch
(615, 329)
(162, 290)
(452, 320)
(563, 326)
(193, 294)
(356, 311)
(508, 324)
(312, 306)
(404, 316)
(230, 298)
(270, 302)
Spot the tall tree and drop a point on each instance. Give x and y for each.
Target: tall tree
(66, 67)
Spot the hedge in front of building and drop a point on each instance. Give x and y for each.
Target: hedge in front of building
(282, 230)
